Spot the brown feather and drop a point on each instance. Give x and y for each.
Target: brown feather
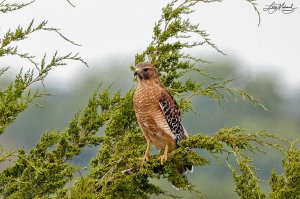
(157, 112)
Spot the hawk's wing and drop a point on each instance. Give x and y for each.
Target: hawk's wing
(172, 114)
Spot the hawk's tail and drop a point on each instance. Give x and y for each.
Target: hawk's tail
(182, 169)
(186, 168)
(182, 180)
(189, 168)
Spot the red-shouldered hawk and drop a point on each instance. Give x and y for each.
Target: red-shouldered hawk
(157, 113)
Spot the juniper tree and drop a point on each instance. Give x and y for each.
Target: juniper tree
(108, 122)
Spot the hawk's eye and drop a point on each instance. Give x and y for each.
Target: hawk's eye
(145, 69)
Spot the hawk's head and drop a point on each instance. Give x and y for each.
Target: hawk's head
(146, 71)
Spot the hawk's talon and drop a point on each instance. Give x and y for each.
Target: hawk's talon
(163, 158)
(145, 159)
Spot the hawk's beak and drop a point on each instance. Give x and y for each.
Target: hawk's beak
(136, 70)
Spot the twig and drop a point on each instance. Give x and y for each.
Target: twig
(2, 2)
(71, 3)
(109, 172)
(128, 171)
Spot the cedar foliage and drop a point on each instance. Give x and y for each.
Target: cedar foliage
(108, 121)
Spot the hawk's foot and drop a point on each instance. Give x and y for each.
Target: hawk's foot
(163, 158)
(145, 159)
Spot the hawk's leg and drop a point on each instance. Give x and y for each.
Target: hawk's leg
(164, 157)
(147, 153)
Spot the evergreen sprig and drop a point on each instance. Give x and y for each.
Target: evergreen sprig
(15, 99)
(108, 121)
(287, 184)
(10, 7)
(21, 34)
(5, 8)
(5, 155)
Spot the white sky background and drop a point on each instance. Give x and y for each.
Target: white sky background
(121, 28)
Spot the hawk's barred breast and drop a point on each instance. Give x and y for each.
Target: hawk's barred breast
(157, 113)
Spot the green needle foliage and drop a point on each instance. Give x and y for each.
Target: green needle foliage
(17, 96)
(287, 185)
(108, 121)
(6, 7)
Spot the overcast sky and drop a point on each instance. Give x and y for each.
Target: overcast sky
(121, 28)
